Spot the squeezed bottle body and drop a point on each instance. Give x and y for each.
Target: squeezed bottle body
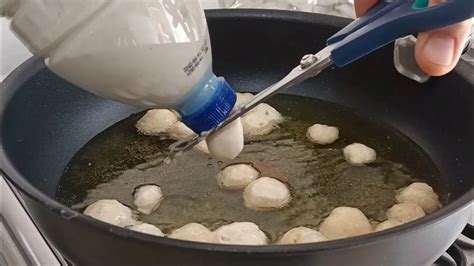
(151, 53)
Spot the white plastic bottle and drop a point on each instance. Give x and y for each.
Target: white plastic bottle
(152, 53)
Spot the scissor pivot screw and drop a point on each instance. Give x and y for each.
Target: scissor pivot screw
(308, 60)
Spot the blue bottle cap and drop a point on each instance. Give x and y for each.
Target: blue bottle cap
(214, 111)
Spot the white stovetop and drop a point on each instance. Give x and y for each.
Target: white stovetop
(13, 53)
(21, 243)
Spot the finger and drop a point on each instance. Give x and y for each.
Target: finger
(437, 52)
(361, 6)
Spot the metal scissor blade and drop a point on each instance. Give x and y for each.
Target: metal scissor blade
(310, 66)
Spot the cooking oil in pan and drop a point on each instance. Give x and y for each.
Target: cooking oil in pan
(117, 160)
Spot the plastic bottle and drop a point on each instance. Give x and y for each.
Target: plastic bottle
(152, 53)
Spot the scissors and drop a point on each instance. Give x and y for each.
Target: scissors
(383, 23)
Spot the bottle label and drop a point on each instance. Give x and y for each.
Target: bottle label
(196, 61)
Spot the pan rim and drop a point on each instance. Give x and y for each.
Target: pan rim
(19, 182)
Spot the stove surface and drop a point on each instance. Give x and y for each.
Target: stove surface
(21, 242)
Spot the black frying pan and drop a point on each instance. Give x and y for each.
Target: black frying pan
(45, 120)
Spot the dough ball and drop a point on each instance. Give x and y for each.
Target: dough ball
(226, 143)
(156, 122)
(192, 232)
(421, 194)
(243, 98)
(300, 235)
(202, 147)
(405, 212)
(345, 222)
(147, 198)
(147, 229)
(237, 176)
(322, 134)
(178, 116)
(386, 225)
(179, 131)
(111, 211)
(240, 233)
(261, 120)
(266, 193)
(359, 154)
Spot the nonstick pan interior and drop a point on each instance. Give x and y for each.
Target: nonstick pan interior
(118, 160)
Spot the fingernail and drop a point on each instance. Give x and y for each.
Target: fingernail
(439, 49)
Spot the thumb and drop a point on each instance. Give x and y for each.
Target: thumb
(437, 52)
(362, 5)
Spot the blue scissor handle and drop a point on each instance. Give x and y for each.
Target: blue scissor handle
(387, 21)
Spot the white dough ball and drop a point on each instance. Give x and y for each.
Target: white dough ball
(345, 222)
(243, 98)
(266, 193)
(237, 176)
(226, 143)
(240, 233)
(202, 147)
(192, 232)
(156, 122)
(261, 120)
(111, 211)
(179, 131)
(405, 212)
(386, 225)
(147, 229)
(421, 194)
(300, 235)
(178, 116)
(322, 134)
(147, 198)
(359, 154)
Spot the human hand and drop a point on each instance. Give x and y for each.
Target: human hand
(436, 52)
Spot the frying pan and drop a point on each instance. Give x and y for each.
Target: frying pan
(45, 120)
